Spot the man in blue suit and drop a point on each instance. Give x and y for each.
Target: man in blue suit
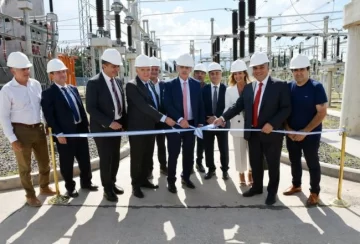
(214, 102)
(65, 114)
(158, 87)
(183, 103)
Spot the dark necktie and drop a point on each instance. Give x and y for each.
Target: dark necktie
(151, 95)
(117, 98)
(256, 106)
(214, 101)
(72, 104)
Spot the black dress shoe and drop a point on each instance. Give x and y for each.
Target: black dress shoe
(118, 190)
(209, 175)
(137, 192)
(270, 199)
(251, 193)
(188, 184)
(90, 187)
(200, 168)
(72, 193)
(110, 195)
(149, 185)
(172, 188)
(225, 176)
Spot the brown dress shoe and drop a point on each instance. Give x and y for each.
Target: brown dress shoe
(313, 200)
(291, 190)
(33, 202)
(47, 191)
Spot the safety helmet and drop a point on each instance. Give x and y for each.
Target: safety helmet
(18, 60)
(214, 66)
(200, 67)
(237, 66)
(299, 61)
(142, 61)
(155, 61)
(112, 56)
(258, 58)
(185, 60)
(55, 65)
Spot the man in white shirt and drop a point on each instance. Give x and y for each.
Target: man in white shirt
(65, 114)
(20, 117)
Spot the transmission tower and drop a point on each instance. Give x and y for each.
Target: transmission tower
(85, 36)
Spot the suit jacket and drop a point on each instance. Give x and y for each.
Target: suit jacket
(100, 105)
(275, 106)
(173, 100)
(237, 122)
(142, 112)
(160, 100)
(207, 98)
(57, 111)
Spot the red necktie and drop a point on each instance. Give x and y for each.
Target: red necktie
(256, 106)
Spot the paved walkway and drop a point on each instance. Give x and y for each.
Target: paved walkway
(215, 212)
(334, 139)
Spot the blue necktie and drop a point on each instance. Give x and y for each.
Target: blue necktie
(72, 104)
(152, 95)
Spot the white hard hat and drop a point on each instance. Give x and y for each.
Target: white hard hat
(55, 65)
(142, 61)
(258, 58)
(185, 60)
(214, 66)
(18, 60)
(155, 61)
(200, 67)
(112, 56)
(237, 66)
(300, 61)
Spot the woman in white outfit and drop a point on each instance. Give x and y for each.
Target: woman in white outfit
(237, 80)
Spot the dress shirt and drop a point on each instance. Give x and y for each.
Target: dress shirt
(163, 118)
(157, 88)
(73, 98)
(19, 104)
(190, 114)
(262, 90)
(108, 83)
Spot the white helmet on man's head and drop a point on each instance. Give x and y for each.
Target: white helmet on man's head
(142, 61)
(258, 58)
(214, 66)
(238, 66)
(155, 61)
(300, 61)
(55, 65)
(200, 67)
(112, 56)
(185, 60)
(18, 60)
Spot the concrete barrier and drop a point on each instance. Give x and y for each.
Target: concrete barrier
(328, 169)
(13, 182)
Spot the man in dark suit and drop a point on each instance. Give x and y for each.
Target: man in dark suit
(214, 103)
(183, 103)
(143, 114)
(158, 86)
(105, 102)
(64, 112)
(267, 105)
(199, 74)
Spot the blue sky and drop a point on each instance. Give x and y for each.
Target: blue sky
(192, 25)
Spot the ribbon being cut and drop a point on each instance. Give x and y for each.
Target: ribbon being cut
(197, 132)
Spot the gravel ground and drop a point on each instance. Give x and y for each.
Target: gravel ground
(8, 164)
(330, 154)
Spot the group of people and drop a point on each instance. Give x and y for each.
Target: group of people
(147, 103)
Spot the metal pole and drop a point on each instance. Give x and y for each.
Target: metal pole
(326, 30)
(28, 41)
(269, 38)
(93, 62)
(107, 11)
(212, 34)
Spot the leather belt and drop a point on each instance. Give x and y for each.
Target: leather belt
(27, 126)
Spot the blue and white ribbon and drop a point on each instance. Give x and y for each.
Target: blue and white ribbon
(197, 132)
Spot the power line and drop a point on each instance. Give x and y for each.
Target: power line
(303, 17)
